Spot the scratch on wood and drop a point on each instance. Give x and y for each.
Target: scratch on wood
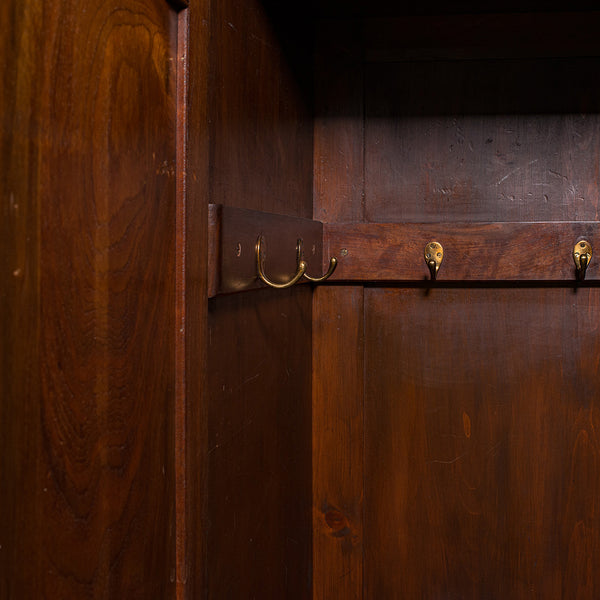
(515, 171)
(448, 462)
(557, 174)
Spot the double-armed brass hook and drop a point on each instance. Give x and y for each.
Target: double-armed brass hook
(300, 270)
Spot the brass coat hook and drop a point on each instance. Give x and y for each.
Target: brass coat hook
(280, 286)
(434, 254)
(332, 265)
(582, 255)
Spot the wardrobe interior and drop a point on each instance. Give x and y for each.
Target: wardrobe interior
(378, 436)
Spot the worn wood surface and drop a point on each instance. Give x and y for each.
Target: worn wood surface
(259, 448)
(484, 141)
(481, 454)
(337, 433)
(233, 233)
(88, 323)
(472, 252)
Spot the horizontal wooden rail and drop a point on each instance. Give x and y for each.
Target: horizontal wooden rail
(472, 252)
(391, 252)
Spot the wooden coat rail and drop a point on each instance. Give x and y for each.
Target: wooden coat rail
(472, 252)
(391, 252)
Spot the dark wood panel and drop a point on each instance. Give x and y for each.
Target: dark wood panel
(478, 36)
(472, 252)
(259, 445)
(233, 233)
(21, 475)
(482, 141)
(261, 134)
(393, 8)
(259, 397)
(89, 135)
(338, 123)
(338, 443)
(482, 458)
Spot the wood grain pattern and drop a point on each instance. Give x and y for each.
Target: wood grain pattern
(233, 233)
(20, 433)
(259, 448)
(472, 252)
(482, 141)
(261, 133)
(338, 443)
(90, 140)
(481, 458)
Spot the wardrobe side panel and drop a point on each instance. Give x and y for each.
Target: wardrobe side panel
(261, 98)
(258, 509)
(258, 505)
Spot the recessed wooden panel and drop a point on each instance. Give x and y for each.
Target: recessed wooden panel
(482, 141)
(87, 406)
(259, 445)
(481, 453)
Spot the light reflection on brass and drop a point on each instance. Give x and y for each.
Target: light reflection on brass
(260, 270)
(332, 265)
(582, 255)
(434, 254)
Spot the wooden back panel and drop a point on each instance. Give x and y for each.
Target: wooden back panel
(479, 473)
(482, 140)
(481, 456)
